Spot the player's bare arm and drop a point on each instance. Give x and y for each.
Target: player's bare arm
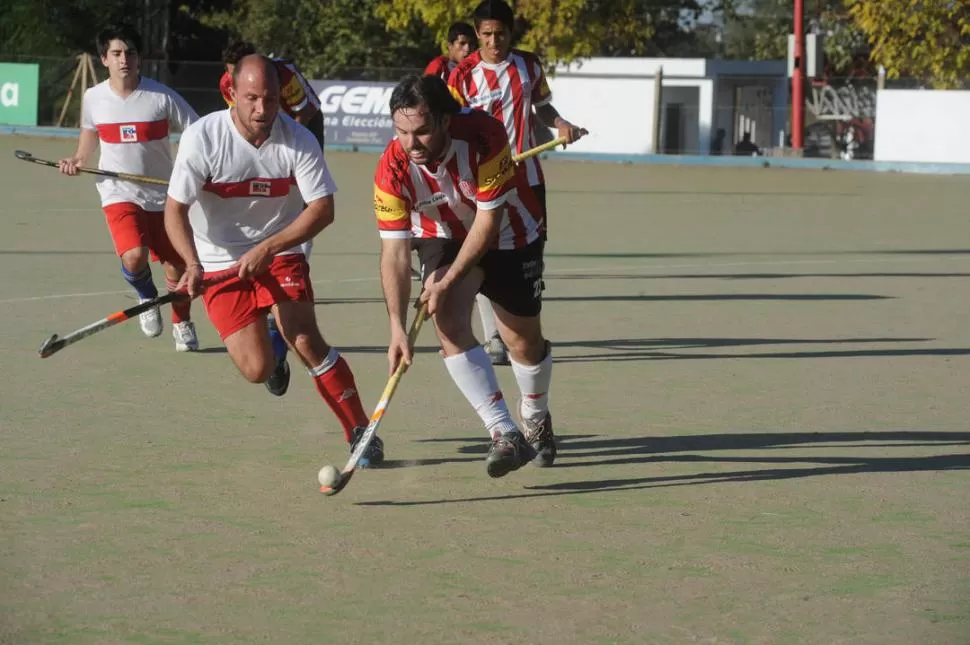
(551, 119)
(396, 282)
(317, 215)
(87, 143)
(179, 231)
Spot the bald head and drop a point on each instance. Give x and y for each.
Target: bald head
(255, 68)
(256, 90)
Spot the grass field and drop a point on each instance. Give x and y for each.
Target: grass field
(761, 387)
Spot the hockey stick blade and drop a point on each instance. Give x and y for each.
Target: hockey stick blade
(375, 420)
(50, 346)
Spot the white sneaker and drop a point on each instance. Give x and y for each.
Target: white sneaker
(150, 321)
(185, 338)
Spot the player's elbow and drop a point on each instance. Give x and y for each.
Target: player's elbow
(323, 212)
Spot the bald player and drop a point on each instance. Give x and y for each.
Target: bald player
(230, 216)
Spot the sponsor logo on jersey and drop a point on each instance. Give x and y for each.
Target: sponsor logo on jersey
(434, 200)
(129, 133)
(260, 188)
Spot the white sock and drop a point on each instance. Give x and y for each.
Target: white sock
(534, 383)
(474, 375)
(489, 330)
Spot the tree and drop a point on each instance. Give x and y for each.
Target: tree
(925, 39)
(328, 39)
(567, 30)
(759, 30)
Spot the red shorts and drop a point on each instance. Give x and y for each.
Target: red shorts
(131, 227)
(234, 303)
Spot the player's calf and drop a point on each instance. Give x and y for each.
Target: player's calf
(331, 374)
(137, 272)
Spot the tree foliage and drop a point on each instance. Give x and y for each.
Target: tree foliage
(327, 38)
(925, 39)
(566, 30)
(758, 30)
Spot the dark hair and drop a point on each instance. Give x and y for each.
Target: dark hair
(414, 91)
(237, 50)
(124, 33)
(461, 29)
(494, 10)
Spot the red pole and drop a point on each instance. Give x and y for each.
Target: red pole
(798, 80)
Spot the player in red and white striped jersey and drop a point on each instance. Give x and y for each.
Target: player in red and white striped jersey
(230, 216)
(447, 185)
(461, 42)
(132, 116)
(509, 84)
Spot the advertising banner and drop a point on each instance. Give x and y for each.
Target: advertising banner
(356, 112)
(18, 93)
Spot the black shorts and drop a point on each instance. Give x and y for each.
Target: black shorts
(513, 279)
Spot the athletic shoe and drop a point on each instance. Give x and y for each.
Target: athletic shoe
(374, 455)
(509, 451)
(185, 338)
(150, 321)
(540, 437)
(279, 380)
(497, 352)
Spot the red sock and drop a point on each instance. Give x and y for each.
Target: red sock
(181, 308)
(336, 385)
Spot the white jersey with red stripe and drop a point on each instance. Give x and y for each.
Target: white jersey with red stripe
(508, 91)
(441, 199)
(239, 194)
(134, 133)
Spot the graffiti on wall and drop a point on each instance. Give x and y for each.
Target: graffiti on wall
(844, 115)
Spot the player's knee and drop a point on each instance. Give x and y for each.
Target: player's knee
(135, 260)
(257, 370)
(451, 325)
(527, 346)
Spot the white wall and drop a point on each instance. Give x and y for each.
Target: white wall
(693, 67)
(923, 125)
(617, 112)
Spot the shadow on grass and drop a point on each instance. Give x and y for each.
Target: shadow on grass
(716, 297)
(643, 450)
(642, 349)
(745, 276)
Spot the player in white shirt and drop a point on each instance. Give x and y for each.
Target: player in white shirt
(131, 117)
(231, 216)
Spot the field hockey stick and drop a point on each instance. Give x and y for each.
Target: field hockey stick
(538, 150)
(55, 343)
(375, 419)
(26, 156)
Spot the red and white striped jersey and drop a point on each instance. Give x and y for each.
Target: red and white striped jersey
(241, 195)
(508, 91)
(442, 199)
(441, 66)
(134, 133)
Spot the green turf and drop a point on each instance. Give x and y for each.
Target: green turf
(761, 385)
